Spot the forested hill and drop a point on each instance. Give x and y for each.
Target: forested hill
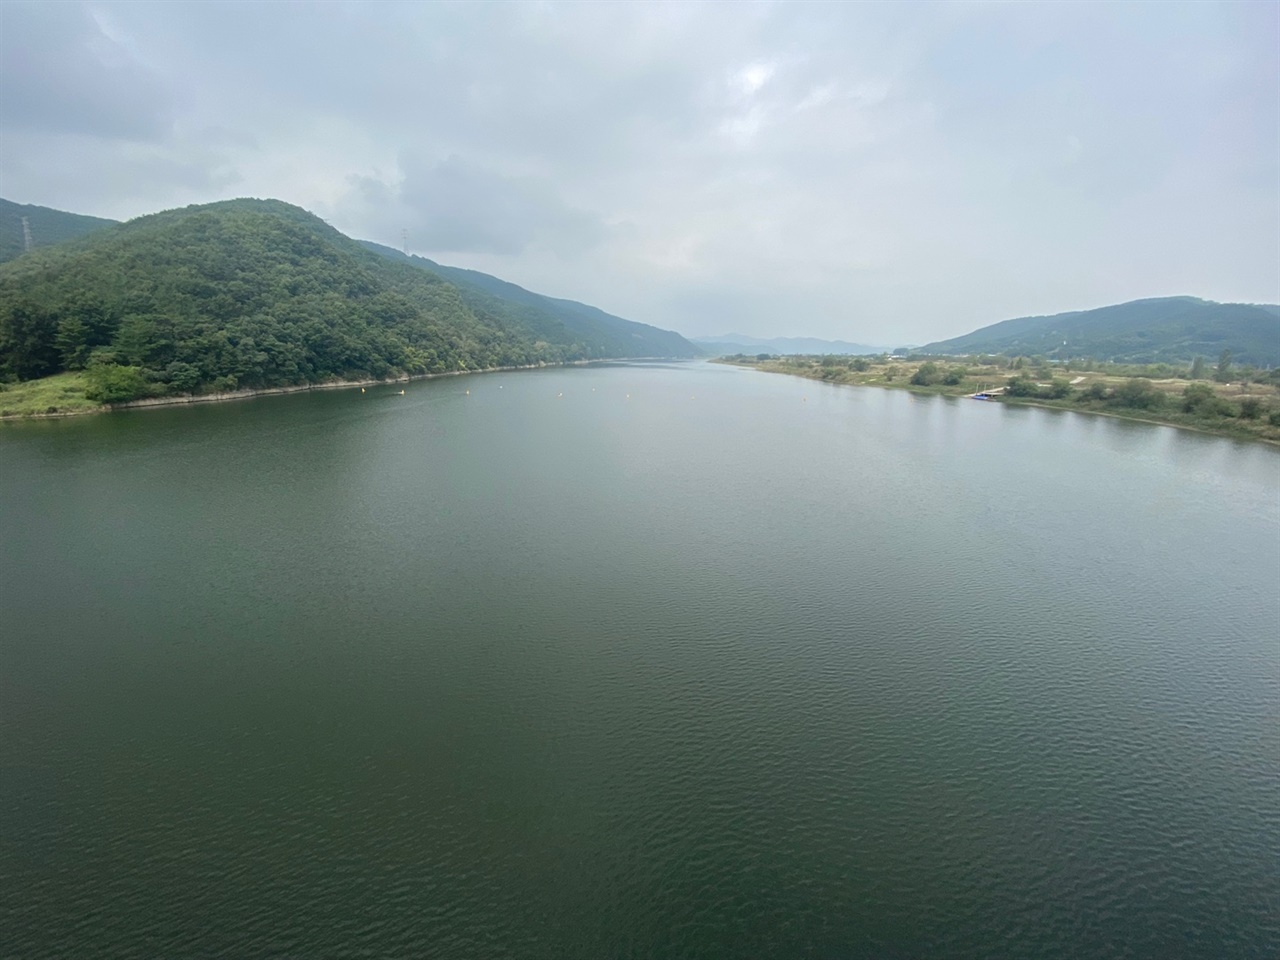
(250, 293)
(46, 225)
(612, 336)
(1166, 329)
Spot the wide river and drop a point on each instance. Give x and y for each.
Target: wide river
(636, 661)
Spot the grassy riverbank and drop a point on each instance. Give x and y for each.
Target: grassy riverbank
(1244, 410)
(59, 395)
(63, 394)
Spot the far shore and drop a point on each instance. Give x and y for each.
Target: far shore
(1228, 429)
(247, 393)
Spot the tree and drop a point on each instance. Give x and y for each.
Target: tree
(28, 347)
(1199, 398)
(1250, 408)
(72, 341)
(926, 374)
(1021, 387)
(1139, 393)
(110, 383)
(1223, 372)
(1059, 389)
(1197, 369)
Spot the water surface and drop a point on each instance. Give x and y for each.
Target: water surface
(636, 661)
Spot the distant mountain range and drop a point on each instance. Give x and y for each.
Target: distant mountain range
(260, 293)
(46, 227)
(613, 335)
(732, 343)
(1164, 329)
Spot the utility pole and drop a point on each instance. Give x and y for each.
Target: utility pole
(26, 235)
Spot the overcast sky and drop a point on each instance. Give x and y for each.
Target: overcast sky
(887, 174)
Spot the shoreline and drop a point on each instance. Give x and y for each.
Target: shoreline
(1023, 402)
(228, 396)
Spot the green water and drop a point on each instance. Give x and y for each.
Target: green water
(636, 661)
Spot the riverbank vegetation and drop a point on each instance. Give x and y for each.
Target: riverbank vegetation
(1218, 396)
(63, 393)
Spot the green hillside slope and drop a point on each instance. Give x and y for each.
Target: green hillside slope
(47, 226)
(604, 334)
(245, 293)
(1166, 329)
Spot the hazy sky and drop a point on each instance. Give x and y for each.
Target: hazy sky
(886, 174)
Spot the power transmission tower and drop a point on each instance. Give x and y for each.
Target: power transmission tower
(26, 235)
(404, 242)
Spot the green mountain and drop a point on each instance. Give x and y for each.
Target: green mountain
(46, 226)
(603, 333)
(255, 293)
(1166, 329)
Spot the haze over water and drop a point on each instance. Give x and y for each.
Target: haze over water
(640, 661)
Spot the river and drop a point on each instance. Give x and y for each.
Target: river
(636, 660)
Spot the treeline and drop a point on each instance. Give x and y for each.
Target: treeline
(1223, 369)
(1138, 393)
(241, 294)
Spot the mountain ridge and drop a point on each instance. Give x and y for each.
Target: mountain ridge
(1149, 330)
(47, 227)
(479, 289)
(736, 342)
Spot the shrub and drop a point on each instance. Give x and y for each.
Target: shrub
(1022, 387)
(1250, 408)
(927, 375)
(1138, 393)
(112, 383)
(1200, 400)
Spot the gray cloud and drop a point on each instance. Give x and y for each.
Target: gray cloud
(457, 207)
(874, 172)
(61, 72)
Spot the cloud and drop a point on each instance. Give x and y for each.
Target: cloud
(774, 168)
(61, 72)
(456, 206)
